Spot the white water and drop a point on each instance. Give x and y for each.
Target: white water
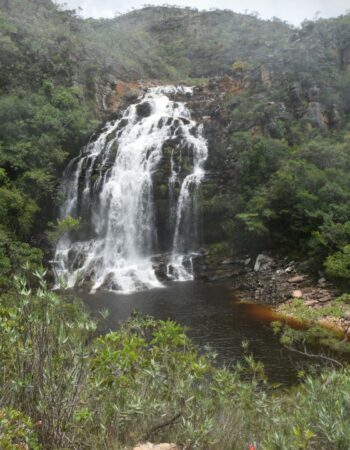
(111, 187)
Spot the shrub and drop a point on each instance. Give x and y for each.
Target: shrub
(145, 381)
(43, 350)
(17, 431)
(338, 264)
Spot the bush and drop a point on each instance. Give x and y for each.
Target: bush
(145, 381)
(338, 264)
(17, 431)
(13, 255)
(43, 350)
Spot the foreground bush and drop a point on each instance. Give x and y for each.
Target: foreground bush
(145, 382)
(43, 351)
(16, 431)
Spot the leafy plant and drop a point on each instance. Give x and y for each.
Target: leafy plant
(61, 227)
(17, 431)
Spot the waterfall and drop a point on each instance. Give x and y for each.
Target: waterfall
(110, 187)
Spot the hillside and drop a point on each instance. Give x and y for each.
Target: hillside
(287, 88)
(178, 43)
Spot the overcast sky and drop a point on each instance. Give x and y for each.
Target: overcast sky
(293, 11)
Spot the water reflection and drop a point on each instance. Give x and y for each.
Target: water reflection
(212, 316)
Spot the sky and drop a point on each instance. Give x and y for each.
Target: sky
(292, 11)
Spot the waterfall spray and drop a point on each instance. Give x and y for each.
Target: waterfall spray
(110, 186)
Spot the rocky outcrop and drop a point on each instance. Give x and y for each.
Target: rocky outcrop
(276, 280)
(266, 75)
(264, 279)
(119, 94)
(315, 116)
(210, 267)
(333, 117)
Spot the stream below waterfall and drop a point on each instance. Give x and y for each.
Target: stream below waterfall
(212, 316)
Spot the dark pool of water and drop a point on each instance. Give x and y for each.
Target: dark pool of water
(212, 316)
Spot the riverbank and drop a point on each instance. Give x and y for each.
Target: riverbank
(296, 298)
(291, 294)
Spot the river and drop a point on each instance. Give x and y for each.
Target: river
(212, 316)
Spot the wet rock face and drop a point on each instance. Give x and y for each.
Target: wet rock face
(159, 264)
(143, 109)
(165, 194)
(263, 263)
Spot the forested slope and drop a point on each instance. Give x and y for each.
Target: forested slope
(285, 129)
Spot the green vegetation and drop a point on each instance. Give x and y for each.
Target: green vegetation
(72, 389)
(287, 182)
(325, 325)
(338, 264)
(17, 431)
(62, 226)
(299, 195)
(338, 308)
(285, 163)
(181, 43)
(44, 119)
(285, 147)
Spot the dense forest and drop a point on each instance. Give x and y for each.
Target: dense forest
(284, 160)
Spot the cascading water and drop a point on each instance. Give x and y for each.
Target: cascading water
(110, 187)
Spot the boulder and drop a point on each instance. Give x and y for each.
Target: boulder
(263, 263)
(143, 109)
(322, 281)
(149, 446)
(160, 270)
(297, 294)
(297, 279)
(227, 261)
